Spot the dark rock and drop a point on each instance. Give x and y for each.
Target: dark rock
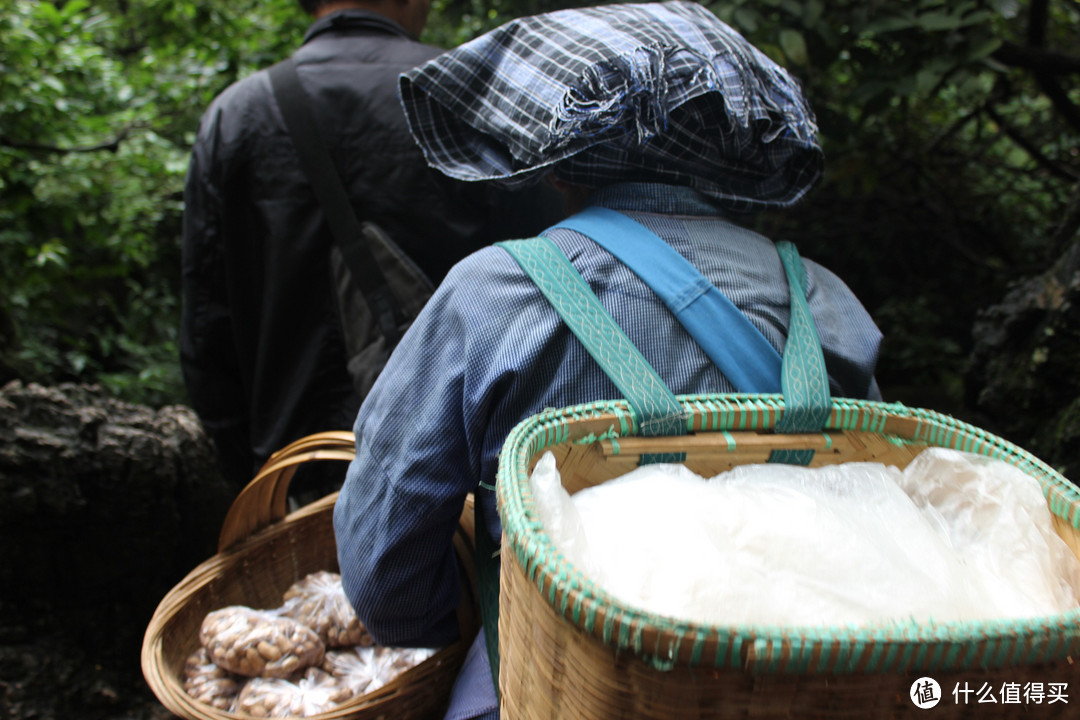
(104, 506)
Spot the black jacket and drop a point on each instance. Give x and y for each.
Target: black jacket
(261, 343)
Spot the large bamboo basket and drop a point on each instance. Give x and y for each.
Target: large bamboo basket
(262, 551)
(568, 649)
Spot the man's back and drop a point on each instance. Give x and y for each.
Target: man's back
(262, 347)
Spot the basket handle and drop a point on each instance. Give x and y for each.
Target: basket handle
(264, 502)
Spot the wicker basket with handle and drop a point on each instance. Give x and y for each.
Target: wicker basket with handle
(262, 551)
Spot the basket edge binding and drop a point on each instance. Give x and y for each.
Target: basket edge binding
(665, 642)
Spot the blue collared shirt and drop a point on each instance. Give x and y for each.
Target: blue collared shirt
(488, 351)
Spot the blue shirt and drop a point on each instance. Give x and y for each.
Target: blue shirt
(488, 351)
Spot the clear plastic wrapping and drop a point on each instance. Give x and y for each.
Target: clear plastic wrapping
(366, 669)
(955, 536)
(302, 658)
(318, 601)
(259, 643)
(314, 693)
(209, 683)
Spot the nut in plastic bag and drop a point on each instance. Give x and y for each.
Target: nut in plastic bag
(206, 682)
(318, 601)
(366, 669)
(316, 692)
(259, 643)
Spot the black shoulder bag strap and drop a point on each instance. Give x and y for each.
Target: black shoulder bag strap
(321, 172)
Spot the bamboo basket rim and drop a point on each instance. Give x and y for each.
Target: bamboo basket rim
(257, 515)
(665, 641)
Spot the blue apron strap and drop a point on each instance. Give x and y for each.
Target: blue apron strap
(745, 357)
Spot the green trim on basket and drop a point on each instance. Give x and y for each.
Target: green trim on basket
(898, 646)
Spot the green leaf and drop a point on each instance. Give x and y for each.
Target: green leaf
(1008, 9)
(72, 8)
(746, 19)
(927, 79)
(794, 46)
(53, 252)
(938, 21)
(891, 24)
(812, 12)
(983, 48)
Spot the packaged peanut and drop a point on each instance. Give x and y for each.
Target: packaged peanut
(318, 601)
(314, 693)
(259, 643)
(366, 669)
(208, 683)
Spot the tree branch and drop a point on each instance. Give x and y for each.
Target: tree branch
(109, 145)
(1038, 18)
(1059, 171)
(1069, 226)
(1037, 59)
(1059, 98)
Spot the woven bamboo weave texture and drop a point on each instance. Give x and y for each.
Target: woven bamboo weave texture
(264, 551)
(569, 649)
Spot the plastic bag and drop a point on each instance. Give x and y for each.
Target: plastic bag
(318, 601)
(259, 643)
(366, 669)
(997, 521)
(315, 693)
(559, 514)
(210, 684)
(779, 544)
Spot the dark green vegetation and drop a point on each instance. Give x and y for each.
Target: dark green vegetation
(952, 134)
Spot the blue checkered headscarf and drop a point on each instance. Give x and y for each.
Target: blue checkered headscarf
(660, 92)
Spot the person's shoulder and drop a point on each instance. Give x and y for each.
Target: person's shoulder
(421, 52)
(404, 52)
(240, 110)
(484, 268)
(243, 93)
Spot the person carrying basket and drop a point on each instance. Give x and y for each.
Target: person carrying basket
(662, 127)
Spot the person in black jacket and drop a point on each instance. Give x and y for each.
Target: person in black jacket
(262, 346)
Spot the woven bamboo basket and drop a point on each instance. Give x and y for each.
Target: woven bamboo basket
(568, 649)
(262, 551)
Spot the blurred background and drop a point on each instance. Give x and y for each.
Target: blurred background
(951, 129)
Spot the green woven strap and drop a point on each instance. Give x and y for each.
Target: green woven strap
(657, 409)
(803, 377)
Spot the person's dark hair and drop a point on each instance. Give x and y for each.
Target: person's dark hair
(310, 6)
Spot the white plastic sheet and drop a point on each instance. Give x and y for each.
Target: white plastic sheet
(956, 536)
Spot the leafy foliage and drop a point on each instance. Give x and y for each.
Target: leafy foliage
(950, 130)
(98, 106)
(947, 164)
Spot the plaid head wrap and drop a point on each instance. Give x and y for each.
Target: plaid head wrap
(661, 92)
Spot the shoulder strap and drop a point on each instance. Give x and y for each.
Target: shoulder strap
(321, 172)
(730, 340)
(802, 375)
(657, 410)
(807, 402)
(739, 349)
